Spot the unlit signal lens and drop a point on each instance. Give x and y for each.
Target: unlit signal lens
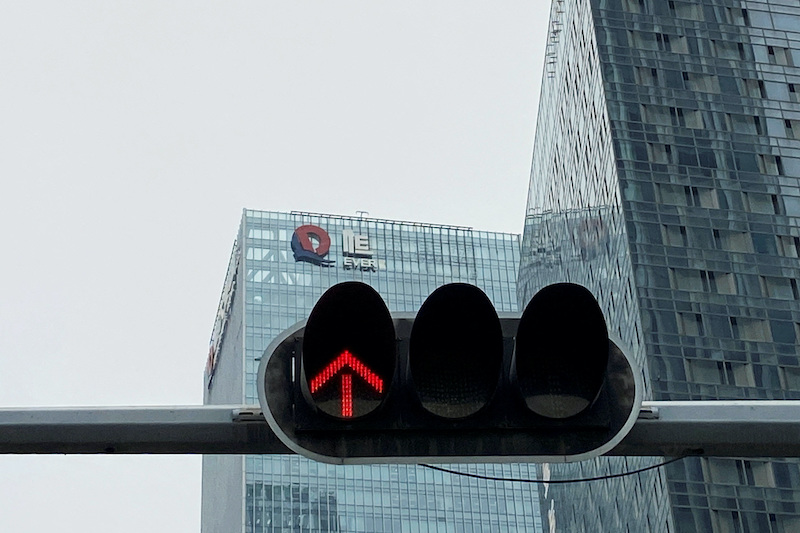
(561, 352)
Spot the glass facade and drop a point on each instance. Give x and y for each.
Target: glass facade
(666, 177)
(266, 291)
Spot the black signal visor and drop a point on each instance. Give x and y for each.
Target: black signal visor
(561, 352)
(456, 351)
(348, 357)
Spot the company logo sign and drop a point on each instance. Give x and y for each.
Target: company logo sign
(357, 252)
(311, 244)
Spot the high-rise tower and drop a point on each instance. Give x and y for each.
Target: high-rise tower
(280, 265)
(666, 178)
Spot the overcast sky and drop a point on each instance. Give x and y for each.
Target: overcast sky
(132, 134)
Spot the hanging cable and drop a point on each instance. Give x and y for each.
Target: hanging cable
(556, 481)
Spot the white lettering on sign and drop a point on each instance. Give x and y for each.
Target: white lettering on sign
(357, 252)
(355, 245)
(362, 263)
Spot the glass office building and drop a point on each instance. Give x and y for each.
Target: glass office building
(280, 265)
(666, 178)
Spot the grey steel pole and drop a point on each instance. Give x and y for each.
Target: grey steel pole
(720, 428)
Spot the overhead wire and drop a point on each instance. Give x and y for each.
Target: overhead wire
(558, 481)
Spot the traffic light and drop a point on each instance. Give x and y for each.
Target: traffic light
(455, 382)
(348, 351)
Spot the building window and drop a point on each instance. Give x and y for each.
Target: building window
(789, 246)
(676, 44)
(727, 49)
(750, 329)
(723, 283)
(740, 472)
(659, 153)
(753, 88)
(770, 164)
(792, 128)
(766, 204)
(688, 280)
(705, 371)
(688, 118)
(733, 241)
(633, 6)
(744, 161)
(702, 82)
(738, 16)
(742, 374)
(646, 76)
(690, 324)
(686, 10)
(784, 332)
(778, 55)
(789, 377)
(794, 94)
(674, 235)
(702, 197)
(656, 114)
(746, 124)
(669, 193)
(779, 288)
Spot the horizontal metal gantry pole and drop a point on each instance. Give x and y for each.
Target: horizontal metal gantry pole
(703, 428)
(715, 428)
(213, 429)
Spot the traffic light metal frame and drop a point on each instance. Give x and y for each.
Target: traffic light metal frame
(401, 431)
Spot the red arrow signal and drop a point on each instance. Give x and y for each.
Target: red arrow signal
(346, 359)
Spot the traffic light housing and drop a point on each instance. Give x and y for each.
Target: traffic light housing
(348, 352)
(454, 383)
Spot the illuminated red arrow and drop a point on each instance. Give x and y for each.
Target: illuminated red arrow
(346, 359)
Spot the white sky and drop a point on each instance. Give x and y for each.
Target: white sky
(132, 133)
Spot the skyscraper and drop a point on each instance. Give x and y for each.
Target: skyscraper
(665, 177)
(280, 265)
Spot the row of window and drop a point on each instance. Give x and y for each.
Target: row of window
(737, 241)
(400, 262)
(695, 280)
(404, 236)
(689, 154)
(739, 374)
(695, 473)
(281, 520)
(711, 198)
(704, 78)
(696, 46)
(698, 119)
(691, 520)
(711, 12)
(377, 474)
(685, 151)
(440, 253)
(405, 502)
(696, 185)
(724, 327)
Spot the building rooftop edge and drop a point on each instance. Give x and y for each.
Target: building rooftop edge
(381, 220)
